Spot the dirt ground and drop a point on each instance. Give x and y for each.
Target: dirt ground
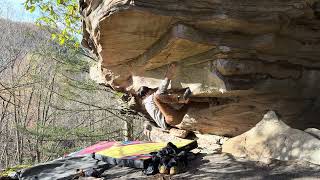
(224, 166)
(210, 163)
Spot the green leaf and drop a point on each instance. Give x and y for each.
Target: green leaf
(68, 22)
(44, 8)
(70, 8)
(32, 8)
(26, 6)
(64, 32)
(51, 11)
(53, 36)
(62, 41)
(76, 45)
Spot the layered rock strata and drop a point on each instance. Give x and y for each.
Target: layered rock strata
(240, 58)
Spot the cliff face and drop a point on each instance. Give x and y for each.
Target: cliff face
(240, 58)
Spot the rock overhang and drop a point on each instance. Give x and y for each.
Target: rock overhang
(261, 54)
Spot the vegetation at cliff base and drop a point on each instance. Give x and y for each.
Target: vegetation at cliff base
(49, 106)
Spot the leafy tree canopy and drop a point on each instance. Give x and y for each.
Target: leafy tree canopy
(58, 14)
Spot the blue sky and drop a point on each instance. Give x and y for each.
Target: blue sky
(14, 10)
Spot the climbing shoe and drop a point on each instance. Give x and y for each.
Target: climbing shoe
(187, 93)
(173, 170)
(185, 97)
(163, 169)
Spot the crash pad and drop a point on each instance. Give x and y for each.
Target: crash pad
(130, 153)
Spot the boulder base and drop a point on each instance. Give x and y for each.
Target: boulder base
(273, 139)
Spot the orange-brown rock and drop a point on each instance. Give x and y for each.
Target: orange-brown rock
(243, 57)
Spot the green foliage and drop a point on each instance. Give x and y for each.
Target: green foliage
(119, 95)
(58, 14)
(13, 169)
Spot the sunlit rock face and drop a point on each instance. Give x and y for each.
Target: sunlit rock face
(273, 139)
(244, 57)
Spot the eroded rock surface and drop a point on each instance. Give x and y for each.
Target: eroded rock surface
(242, 57)
(273, 139)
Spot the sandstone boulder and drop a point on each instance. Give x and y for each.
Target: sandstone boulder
(314, 132)
(272, 138)
(154, 133)
(249, 56)
(180, 133)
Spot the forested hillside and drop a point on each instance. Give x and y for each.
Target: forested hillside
(48, 104)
